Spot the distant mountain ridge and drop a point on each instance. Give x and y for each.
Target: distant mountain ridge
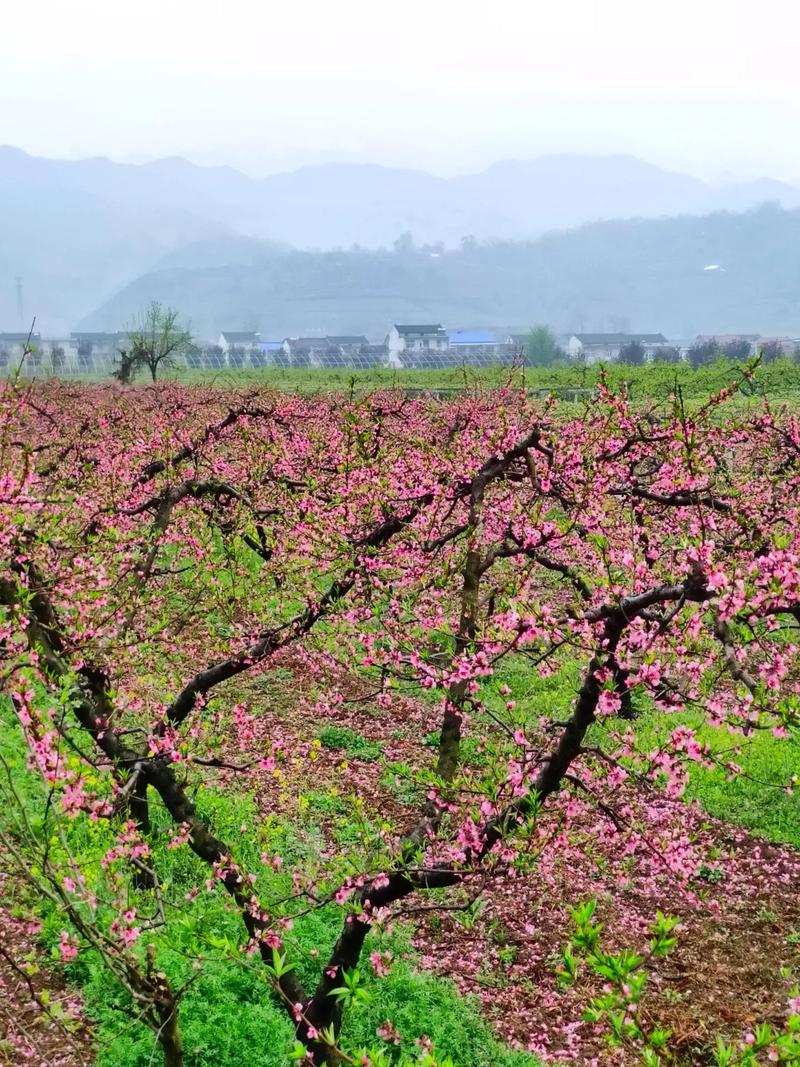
(647, 275)
(78, 230)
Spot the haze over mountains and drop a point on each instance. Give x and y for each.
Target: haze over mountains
(80, 234)
(641, 274)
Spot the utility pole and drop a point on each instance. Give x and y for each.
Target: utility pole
(20, 307)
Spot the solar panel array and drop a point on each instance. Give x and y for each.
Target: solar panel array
(51, 359)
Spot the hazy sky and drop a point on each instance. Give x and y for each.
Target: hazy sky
(704, 85)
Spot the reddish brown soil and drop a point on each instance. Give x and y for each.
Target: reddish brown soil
(40, 1019)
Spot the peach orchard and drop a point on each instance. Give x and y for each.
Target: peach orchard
(163, 545)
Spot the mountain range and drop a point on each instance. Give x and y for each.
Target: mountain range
(77, 232)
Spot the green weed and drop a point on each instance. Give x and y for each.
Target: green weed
(343, 739)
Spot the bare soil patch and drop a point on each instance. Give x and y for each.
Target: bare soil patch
(40, 1016)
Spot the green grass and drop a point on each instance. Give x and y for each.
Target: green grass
(471, 750)
(655, 382)
(755, 799)
(780, 380)
(227, 1018)
(228, 1014)
(343, 739)
(400, 779)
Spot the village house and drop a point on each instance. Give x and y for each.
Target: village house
(415, 341)
(518, 341)
(12, 346)
(94, 350)
(788, 346)
(596, 347)
(755, 342)
(238, 339)
(479, 347)
(723, 339)
(347, 344)
(470, 338)
(305, 351)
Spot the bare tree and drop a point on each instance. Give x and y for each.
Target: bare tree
(57, 359)
(158, 338)
(125, 366)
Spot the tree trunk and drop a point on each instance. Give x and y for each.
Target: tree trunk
(140, 813)
(323, 1055)
(170, 1039)
(164, 1011)
(626, 709)
(450, 737)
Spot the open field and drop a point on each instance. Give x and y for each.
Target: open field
(780, 377)
(779, 380)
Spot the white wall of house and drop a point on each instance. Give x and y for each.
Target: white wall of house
(591, 353)
(395, 342)
(13, 349)
(601, 353)
(398, 342)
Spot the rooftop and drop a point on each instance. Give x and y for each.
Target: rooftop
(620, 338)
(426, 328)
(725, 338)
(472, 337)
(240, 335)
(84, 335)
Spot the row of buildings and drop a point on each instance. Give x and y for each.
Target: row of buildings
(418, 344)
(415, 344)
(405, 345)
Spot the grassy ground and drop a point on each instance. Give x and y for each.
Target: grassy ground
(228, 1016)
(755, 799)
(778, 380)
(653, 381)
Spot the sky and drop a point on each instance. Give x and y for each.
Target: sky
(711, 87)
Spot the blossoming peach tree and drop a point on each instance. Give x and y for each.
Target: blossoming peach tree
(163, 547)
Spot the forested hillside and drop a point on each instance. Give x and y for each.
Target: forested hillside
(637, 274)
